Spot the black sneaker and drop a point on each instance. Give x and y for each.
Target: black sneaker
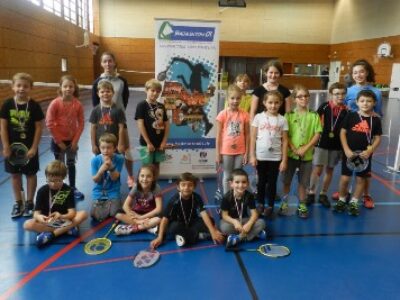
(340, 206)
(310, 199)
(353, 209)
(17, 210)
(323, 199)
(28, 210)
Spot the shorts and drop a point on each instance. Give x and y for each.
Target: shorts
(149, 158)
(305, 168)
(102, 209)
(347, 172)
(68, 156)
(325, 157)
(31, 168)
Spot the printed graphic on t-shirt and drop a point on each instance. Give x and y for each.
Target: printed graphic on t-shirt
(60, 197)
(105, 117)
(19, 119)
(157, 114)
(233, 128)
(362, 126)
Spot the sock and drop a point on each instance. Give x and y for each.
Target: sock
(322, 193)
(343, 199)
(354, 200)
(285, 198)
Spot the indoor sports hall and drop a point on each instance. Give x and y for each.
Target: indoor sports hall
(332, 255)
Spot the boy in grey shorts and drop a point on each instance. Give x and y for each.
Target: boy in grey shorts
(304, 132)
(328, 150)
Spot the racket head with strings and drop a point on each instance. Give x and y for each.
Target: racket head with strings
(273, 250)
(97, 246)
(356, 163)
(59, 223)
(100, 245)
(146, 258)
(19, 155)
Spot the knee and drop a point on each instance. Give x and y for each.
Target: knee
(28, 225)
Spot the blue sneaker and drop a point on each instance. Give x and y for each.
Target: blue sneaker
(74, 231)
(78, 195)
(262, 235)
(232, 241)
(44, 238)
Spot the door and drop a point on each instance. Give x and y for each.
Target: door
(395, 82)
(334, 72)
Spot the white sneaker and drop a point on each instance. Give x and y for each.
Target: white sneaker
(153, 230)
(123, 229)
(180, 240)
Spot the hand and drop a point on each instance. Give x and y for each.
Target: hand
(55, 215)
(349, 153)
(31, 152)
(301, 151)
(237, 226)
(217, 237)
(42, 219)
(253, 161)
(6, 152)
(162, 146)
(218, 160)
(366, 154)
(74, 146)
(95, 150)
(283, 166)
(132, 214)
(62, 146)
(246, 228)
(150, 148)
(155, 243)
(244, 161)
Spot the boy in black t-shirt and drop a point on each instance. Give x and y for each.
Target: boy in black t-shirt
(54, 201)
(107, 117)
(185, 216)
(360, 136)
(235, 221)
(153, 125)
(328, 151)
(21, 123)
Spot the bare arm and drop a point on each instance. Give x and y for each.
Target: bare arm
(4, 138)
(161, 232)
(252, 151)
(253, 107)
(343, 139)
(166, 134)
(285, 142)
(215, 233)
(156, 211)
(36, 139)
(121, 138)
(95, 149)
(143, 133)
(288, 104)
(218, 141)
(247, 141)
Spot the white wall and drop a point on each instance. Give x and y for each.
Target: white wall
(355, 20)
(272, 21)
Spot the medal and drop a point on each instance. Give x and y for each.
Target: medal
(22, 135)
(331, 135)
(158, 131)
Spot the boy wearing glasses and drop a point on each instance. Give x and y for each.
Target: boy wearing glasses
(304, 132)
(328, 150)
(54, 201)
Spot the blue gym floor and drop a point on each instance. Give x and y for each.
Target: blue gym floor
(333, 256)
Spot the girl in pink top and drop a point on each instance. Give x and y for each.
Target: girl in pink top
(65, 121)
(233, 137)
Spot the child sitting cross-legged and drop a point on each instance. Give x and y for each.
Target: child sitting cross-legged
(236, 222)
(143, 205)
(185, 216)
(54, 200)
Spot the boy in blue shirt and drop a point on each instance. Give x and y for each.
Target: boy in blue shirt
(106, 170)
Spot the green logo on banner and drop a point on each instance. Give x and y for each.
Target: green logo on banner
(165, 31)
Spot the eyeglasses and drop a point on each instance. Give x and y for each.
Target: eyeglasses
(54, 181)
(302, 96)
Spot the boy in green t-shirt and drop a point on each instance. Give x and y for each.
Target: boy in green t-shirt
(304, 132)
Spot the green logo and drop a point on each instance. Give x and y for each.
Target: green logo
(165, 31)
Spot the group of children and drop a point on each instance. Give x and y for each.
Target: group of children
(271, 142)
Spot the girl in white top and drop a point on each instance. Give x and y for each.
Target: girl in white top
(268, 148)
